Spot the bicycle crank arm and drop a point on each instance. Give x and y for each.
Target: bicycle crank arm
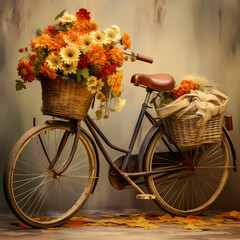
(143, 195)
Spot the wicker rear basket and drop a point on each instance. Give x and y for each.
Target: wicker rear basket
(185, 131)
(65, 98)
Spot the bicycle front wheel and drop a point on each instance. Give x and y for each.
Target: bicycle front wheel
(200, 174)
(35, 194)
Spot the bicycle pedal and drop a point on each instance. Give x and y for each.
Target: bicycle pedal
(145, 196)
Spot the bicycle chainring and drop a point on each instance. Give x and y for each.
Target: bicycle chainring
(117, 181)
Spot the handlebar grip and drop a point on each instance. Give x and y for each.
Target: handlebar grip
(144, 58)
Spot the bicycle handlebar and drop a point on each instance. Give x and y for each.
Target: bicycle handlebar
(144, 58)
(139, 57)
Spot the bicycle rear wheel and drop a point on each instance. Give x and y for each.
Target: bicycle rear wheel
(35, 194)
(199, 179)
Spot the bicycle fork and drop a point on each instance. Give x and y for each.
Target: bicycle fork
(76, 130)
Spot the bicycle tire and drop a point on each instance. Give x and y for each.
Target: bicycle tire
(37, 197)
(195, 189)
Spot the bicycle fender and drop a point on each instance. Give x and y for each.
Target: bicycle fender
(144, 146)
(234, 155)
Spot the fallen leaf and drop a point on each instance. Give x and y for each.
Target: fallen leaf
(190, 227)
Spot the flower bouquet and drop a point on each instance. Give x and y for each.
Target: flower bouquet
(192, 112)
(76, 54)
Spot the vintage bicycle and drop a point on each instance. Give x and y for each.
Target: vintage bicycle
(54, 167)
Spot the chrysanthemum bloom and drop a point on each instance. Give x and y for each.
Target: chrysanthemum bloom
(51, 31)
(83, 62)
(47, 71)
(81, 27)
(188, 85)
(67, 18)
(26, 71)
(69, 68)
(112, 35)
(92, 25)
(185, 87)
(97, 56)
(115, 82)
(54, 61)
(119, 106)
(99, 37)
(116, 56)
(43, 41)
(107, 69)
(126, 41)
(83, 14)
(94, 85)
(69, 54)
(73, 39)
(58, 43)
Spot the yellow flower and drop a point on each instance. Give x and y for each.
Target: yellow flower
(87, 42)
(120, 104)
(69, 54)
(73, 39)
(94, 85)
(54, 61)
(69, 68)
(100, 96)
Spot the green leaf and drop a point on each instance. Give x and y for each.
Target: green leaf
(85, 73)
(79, 75)
(60, 14)
(20, 85)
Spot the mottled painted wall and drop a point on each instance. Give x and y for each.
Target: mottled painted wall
(183, 36)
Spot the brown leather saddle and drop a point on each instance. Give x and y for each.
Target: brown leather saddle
(158, 82)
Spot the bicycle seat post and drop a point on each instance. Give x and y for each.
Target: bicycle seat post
(137, 128)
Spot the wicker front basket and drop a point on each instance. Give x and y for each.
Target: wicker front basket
(185, 131)
(65, 98)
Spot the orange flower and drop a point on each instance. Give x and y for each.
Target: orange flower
(47, 71)
(43, 41)
(185, 87)
(116, 56)
(73, 39)
(126, 41)
(26, 71)
(188, 85)
(115, 82)
(58, 43)
(50, 30)
(97, 56)
(92, 25)
(81, 27)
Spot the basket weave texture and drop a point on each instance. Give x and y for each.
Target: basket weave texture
(65, 98)
(185, 131)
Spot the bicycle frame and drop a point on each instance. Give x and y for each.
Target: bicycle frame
(95, 131)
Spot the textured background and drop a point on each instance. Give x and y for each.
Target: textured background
(183, 36)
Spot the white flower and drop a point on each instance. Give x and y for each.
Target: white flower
(54, 61)
(69, 54)
(113, 35)
(99, 37)
(120, 104)
(67, 18)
